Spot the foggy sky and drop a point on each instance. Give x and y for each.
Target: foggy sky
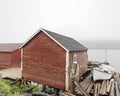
(79, 19)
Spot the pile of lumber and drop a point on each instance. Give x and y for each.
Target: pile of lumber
(86, 84)
(101, 88)
(66, 94)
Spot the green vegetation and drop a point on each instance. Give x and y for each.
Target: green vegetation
(16, 89)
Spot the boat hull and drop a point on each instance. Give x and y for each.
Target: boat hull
(101, 75)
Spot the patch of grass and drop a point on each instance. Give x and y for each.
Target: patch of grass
(37, 89)
(15, 90)
(4, 87)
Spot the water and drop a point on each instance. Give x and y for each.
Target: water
(110, 55)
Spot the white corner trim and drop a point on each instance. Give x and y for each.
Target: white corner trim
(67, 72)
(55, 40)
(21, 67)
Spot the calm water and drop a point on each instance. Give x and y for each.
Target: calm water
(111, 55)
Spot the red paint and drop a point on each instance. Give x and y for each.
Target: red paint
(44, 61)
(10, 59)
(16, 58)
(5, 60)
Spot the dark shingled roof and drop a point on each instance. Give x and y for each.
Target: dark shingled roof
(68, 43)
(9, 47)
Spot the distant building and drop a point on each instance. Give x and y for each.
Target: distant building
(10, 55)
(47, 58)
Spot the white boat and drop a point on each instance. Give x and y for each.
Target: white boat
(103, 72)
(106, 67)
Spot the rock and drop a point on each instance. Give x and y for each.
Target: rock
(2, 94)
(40, 94)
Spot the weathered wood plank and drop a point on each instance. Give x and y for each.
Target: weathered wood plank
(112, 92)
(81, 88)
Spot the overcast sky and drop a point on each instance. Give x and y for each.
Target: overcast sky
(79, 19)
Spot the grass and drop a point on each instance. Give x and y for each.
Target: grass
(15, 90)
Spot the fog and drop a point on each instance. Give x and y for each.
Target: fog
(79, 19)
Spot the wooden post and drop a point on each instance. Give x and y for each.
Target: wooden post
(96, 89)
(99, 88)
(109, 86)
(73, 87)
(102, 88)
(116, 89)
(74, 68)
(112, 91)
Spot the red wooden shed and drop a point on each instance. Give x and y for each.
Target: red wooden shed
(10, 55)
(47, 58)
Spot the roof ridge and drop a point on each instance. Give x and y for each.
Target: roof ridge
(67, 43)
(56, 33)
(72, 41)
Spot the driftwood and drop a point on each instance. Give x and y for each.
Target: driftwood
(17, 80)
(87, 87)
(81, 88)
(95, 90)
(116, 89)
(66, 94)
(69, 94)
(109, 86)
(98, 88)
(83, 82)
(112, 93)
(102, 88)
(90, 87)
(88, 84)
